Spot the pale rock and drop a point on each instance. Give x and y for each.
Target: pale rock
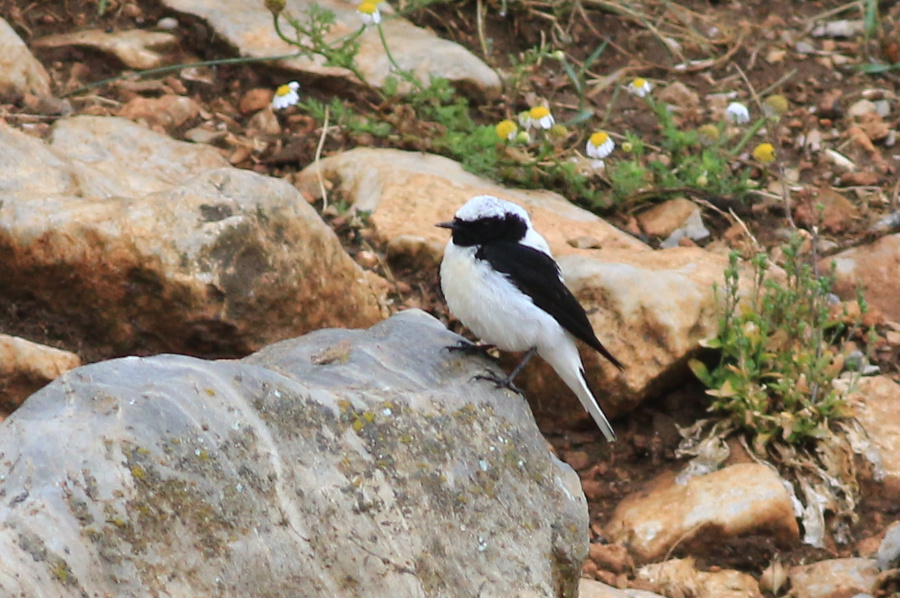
(256, 99)
(264, 123)
(693, 229)
(746, 498)
(136, 48)
(167, 112)
(804, 47)
(874, 267)
(874, 401)
(833, 578)
(149, 243)
(406, 193)
(248, 25)
(679, 577)
(861, 107)
(888, 555)
(839, 28)
(340, 464)
(167, 24)
(113, 157)
(672, 221)
(680, 96)
(589, 588)
(20, 71)
(650, 308)
(205, 134)
(26, 366)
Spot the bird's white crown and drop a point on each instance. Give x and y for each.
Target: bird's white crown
(488, 206)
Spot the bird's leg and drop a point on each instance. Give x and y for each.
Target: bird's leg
(467, 348)
(507, 381)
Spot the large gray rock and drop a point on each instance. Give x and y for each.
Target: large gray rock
(150, 244)
(343, 463)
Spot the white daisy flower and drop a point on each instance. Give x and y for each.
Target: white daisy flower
(737, 113)
(286, 95)
(539, 117)
(640, 87)
(369, 12)
(600, 145)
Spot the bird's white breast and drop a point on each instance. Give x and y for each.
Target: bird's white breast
(489, 304)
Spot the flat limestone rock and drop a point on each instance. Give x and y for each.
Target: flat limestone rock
(20, 71)
(136, 48)
(342, 463)
(651, 308)
(746, 498)
(249, 26)
(156, 245)
(835, 577)
(874, 400)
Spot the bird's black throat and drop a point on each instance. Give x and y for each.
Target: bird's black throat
(484, 231)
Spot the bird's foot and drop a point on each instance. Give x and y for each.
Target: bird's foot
(499, 381)
(467, 348)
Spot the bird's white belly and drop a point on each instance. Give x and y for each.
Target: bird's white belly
(491, 306)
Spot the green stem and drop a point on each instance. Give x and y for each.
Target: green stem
(322, 49)
(748, 136)
(404, 73)
(174, 67)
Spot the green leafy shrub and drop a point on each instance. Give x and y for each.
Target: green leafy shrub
(777, 356)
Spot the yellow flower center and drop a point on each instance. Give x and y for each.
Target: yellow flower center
(368, 8)
(283, 90)
(709, 132)
(777, 104)
(764, 152)
(539, 112)
(506, 128)
(639, 83)
(598, 138)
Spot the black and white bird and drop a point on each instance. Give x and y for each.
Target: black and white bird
(500, 279)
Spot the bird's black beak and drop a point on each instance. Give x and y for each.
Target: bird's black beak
(445, 225)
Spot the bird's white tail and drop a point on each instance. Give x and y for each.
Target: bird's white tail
(566, 361)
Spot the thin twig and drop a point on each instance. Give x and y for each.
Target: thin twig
(479, 20)
(319, 156)
(756, 246)
(781, 80)
(785, 192)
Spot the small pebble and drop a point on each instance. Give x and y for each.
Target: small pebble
(167, 23)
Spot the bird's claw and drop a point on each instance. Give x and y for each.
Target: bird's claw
(499, 381)
(467, 348)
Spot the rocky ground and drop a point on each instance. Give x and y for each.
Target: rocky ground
(836, 145)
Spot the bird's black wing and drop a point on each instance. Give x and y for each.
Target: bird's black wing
(537, 275)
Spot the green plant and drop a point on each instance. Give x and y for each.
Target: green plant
(777, 360)
(686, 159)
(311, 37)
(775, 384)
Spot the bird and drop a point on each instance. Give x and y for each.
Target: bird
(500, 280)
